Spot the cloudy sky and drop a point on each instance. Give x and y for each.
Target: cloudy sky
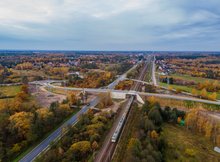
(110, 24)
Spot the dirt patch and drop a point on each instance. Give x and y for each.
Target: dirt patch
(114, 107)
(43, 97)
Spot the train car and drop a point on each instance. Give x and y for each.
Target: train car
(119, 128)
(121, 122)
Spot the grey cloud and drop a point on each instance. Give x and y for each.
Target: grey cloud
(112, 24)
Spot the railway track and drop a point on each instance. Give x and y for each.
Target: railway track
(110, 144)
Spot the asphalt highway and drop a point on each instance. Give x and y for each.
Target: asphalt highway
(45, 144)
(56, 134)
(153, 73)
(73, 120)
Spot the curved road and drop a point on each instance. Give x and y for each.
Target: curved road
(45, 144)
(73, 120)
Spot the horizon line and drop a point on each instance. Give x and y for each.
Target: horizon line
(75, 50)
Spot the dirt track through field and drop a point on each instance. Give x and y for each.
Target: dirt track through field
(44, 97)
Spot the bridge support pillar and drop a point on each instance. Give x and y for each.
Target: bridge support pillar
(118, 95)
(139, 99)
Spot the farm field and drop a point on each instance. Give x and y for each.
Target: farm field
(10, 90)
(190, 78)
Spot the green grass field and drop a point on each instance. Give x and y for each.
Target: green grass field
(10, 90)
(184, 88)
(190, 78)
(186, 146)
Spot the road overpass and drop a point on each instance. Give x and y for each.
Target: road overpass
(121, 94)
(57, 134)
(44, 145)
(107, 150)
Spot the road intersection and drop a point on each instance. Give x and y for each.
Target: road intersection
(45, 144)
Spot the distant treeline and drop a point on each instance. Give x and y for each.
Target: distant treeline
(187, 55)
(212, 62)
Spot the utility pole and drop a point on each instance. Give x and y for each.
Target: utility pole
(84, 96)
